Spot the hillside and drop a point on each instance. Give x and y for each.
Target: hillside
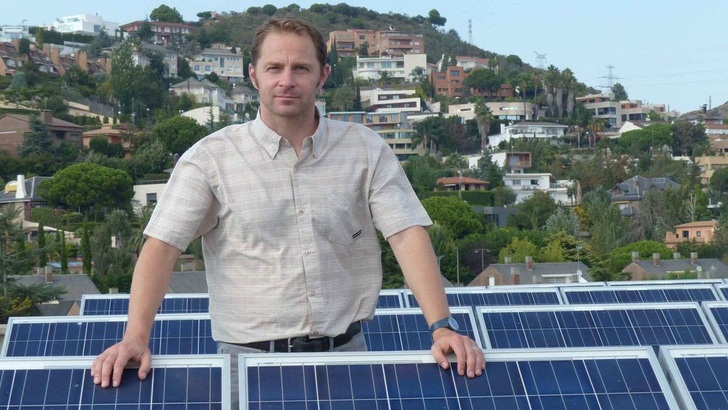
(238, 28)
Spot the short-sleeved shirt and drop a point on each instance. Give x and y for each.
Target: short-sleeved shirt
(290, 243)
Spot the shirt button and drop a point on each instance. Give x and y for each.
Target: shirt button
(312, 293)
(315, 332)
(301, 210)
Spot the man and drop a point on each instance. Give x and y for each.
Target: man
(288, 206)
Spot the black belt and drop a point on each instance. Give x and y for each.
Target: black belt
(306, 343)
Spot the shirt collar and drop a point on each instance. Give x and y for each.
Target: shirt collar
(270, 140)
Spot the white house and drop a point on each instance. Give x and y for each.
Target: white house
(85, 24)
(169, 57)
(204, 92)
(401, 68)
(544, 130)
(524, 185)
(379, 100)
(221, 61)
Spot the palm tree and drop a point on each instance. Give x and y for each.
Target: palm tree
(570, 83)
(483, 117)
(429, 132)
(551, 79)
(595, 129)
(10, 231)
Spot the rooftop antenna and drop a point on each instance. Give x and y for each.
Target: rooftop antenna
(541, 59)
(470, 31)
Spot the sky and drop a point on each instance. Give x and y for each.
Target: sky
(667, 52)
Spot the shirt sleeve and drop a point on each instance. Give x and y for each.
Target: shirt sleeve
(392, 200)
(188, 206)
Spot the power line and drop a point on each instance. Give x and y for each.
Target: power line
(541, 60)
(610, 78)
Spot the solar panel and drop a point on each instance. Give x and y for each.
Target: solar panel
(192, 382)
(407, 329)
(717, 315)
(90, 335)
(639, 294)
(594, 325)
(536, 379)
(396, 329)
(698, 375)
(390, 298)
(723, 290)
(480, 296)
(666, 282)
(118, 304)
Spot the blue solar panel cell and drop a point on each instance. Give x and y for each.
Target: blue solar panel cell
(185, 382)
(639, 294)
(407, 329)
(390, 298)
(118, 304)
(698, 375)
(723, 289)
(512, 380)
(474, 297)
(717, 314)
(90, 335)
(599, 325)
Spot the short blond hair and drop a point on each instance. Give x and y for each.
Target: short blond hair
(289, 25)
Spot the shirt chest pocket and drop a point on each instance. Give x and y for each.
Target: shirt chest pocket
(346, 217)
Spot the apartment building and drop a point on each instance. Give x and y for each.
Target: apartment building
(616, 113)
(221, 61)
(90, 24)
(508, 111)
(394, 127)
(377, 43)
(450, 83)
(524, 185)
(379, 100)
(542, 130)
(398, 68)
(165, 33)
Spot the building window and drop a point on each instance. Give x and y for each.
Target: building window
(151, 198)
(685, 234)
(697, 234)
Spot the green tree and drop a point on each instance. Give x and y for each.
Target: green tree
(483, 79)
(429, 132)
(37, 140)
(113, 266)
(563, 220)
(123, 74)
(42, 251)
(454, 214)
(178, 133)
(85, 186)
(518, 249)
(606, 226)
(436, 19)
(10, 256)
(166, 13)
(619, 258)
(423, 172)
(86, 248)
(619, 93)
(145, 32)
(533, 211)
(483, 117)
(64, 253)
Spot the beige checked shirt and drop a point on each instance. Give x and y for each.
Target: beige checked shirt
(290, 244)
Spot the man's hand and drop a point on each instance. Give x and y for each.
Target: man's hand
(110, 364)
(471, 360)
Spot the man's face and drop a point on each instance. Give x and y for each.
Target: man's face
(287, 76)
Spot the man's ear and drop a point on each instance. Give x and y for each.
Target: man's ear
(252, 75)
(324, 76)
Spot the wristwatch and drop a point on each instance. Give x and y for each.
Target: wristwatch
(449, 322)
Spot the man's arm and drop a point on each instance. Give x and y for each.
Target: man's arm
(415, 255)
(149, 284)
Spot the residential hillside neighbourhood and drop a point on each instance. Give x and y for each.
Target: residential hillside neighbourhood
(528, 180)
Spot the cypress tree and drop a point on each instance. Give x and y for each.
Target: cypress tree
(86, 249)
(64, 253)
(42, 255)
